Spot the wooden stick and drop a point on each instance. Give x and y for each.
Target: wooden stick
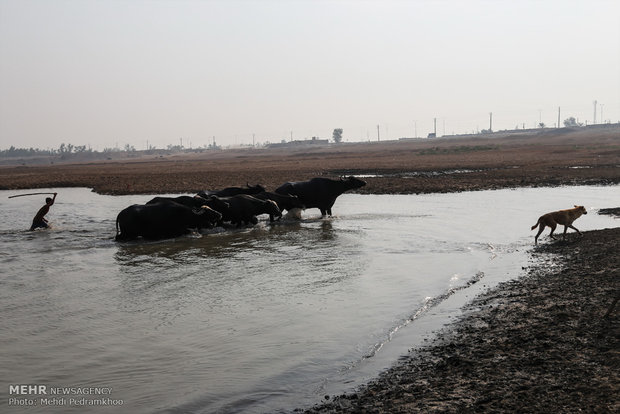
(29, 194)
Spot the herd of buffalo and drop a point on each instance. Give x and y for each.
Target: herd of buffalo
(166, 217)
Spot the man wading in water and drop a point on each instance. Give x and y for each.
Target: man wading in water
(39, 220)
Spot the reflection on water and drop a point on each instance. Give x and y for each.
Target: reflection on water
(231, 242)
(253, 319)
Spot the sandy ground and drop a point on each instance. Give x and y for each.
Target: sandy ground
(552, 157)
(545, 343)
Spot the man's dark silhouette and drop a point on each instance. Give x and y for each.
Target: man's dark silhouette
(39, 220)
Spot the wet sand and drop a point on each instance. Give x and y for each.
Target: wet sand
(545, 343)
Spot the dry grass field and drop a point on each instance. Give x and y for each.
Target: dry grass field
(551, 157)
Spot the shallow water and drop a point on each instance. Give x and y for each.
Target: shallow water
(261, 319)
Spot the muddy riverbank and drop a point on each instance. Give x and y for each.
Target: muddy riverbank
(547, 342)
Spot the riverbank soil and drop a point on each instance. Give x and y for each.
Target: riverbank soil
(546, 343)
(550, 157)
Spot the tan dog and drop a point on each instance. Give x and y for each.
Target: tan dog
(563, 217)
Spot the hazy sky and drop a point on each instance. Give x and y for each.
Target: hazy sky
(110, 72)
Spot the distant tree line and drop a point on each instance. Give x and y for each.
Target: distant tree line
(24, 152)
(63, 149)
(66, 150)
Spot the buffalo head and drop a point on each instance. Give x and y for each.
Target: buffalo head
(295, 202)
(208, 213)
(255, 189)
(353, 183)
(272, 208)
(218, 204)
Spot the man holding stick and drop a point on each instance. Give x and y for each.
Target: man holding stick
(39, 220)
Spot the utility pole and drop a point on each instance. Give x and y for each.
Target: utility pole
(378, 135)
(253, 140)
(490, 121)
(558, 116)
(593, 123)
(435, 127)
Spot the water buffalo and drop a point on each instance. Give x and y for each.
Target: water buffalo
(320, 193)
(162, 220)
(188, 201)
(244, 209)
(213, 202)
(284, 202)
(233, 191)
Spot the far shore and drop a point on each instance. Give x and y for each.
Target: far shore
(550, 158)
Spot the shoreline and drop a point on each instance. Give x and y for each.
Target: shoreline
(546, 342)
(590, 157)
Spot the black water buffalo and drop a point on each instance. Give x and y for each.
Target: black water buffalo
(162, 220)
(244, 209)
(233, 191)
(213, 202)
(188, 201)
(284, 202)
(320, 193)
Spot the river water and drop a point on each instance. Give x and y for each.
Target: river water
(262, 319)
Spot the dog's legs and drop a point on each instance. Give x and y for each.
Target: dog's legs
(574, 228)
(553, 226)
(540, 230)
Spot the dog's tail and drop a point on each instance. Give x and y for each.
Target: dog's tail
(536, 225)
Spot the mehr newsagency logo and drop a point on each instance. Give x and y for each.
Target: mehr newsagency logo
(46, 395)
